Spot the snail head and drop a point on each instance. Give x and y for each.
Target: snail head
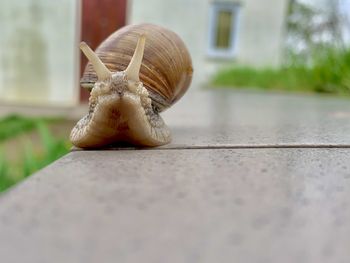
(117, 83)
(120, 108)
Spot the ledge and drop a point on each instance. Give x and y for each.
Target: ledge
(180, 203)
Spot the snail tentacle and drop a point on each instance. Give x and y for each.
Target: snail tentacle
(133, 69)
(102, 71)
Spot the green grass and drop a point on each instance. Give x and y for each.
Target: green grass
(31, 160)
(53, 150)
(13, 125)
(5, 180)
(328, 73)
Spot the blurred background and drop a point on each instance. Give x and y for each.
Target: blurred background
(299, 46)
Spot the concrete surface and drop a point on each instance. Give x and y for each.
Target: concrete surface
(220, 203)
(223, 118)
(214, 205)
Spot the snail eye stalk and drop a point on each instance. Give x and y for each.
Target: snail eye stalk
(133, 70)
(100, 68)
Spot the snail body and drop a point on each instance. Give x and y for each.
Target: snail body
(136, 73)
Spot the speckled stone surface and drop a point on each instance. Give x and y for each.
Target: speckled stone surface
(225, 118)
(253, 178)
(207, 205)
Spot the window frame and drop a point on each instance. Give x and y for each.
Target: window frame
(215, 9)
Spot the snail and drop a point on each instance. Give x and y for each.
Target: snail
(131, 85)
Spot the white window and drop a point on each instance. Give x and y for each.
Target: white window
(223, 29)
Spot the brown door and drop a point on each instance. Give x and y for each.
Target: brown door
(100, 18)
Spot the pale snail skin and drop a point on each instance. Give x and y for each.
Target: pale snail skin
(121, 107)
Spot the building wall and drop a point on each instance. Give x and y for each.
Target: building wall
(38, 52)
(259, 36)
(261, 32)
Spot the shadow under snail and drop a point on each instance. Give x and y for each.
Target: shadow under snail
(131, 85)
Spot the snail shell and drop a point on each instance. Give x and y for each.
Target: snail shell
(166, 70)
(131, 81)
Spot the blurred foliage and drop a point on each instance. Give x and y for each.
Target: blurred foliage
(5, 180)
(329, 73)
(13, 125)
(53, 150)
(32, 160)
(309, 28)
(316, 57)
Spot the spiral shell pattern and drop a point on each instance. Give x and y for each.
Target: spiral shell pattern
(166, 70)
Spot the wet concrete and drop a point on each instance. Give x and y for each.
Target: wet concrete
(225, 118)
(283, 197)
